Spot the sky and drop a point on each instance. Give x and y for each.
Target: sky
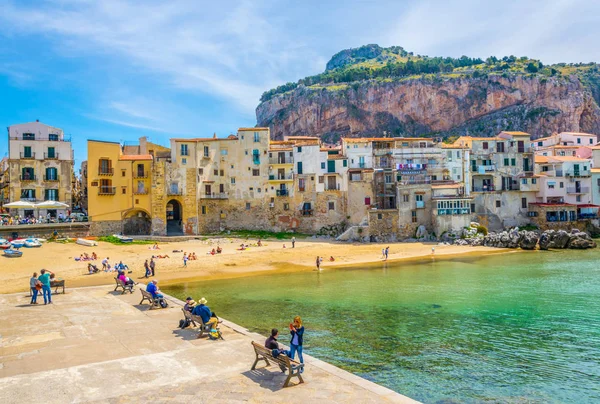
(120, 69)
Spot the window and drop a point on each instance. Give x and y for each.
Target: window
(551, 185)
(246, 152)
(204, 210)
(27, 174)
(28, 136)
(299, 149)
(524, 181)
(418, 198)
(578, 140)
(51, 174)
(123, 173)
(255, 172)
(184, 161)
(123, 190)
(500, 147)
(524, 203)
(414, 216)
(534, 181)
(216, 172)
(505, 162)
(221, 173)
(286, 206)
(233, 180)
(53, 137)
(206, 151)
(201, 171)
(562, 184)
(256, 137)
(498, 204)
(344, 163)
(578, 198)
(137, 201)
(321, 179)
(473, 207)
(368, 200)
(51, 153)
(184, 150)
(331, 205)
(485, 145)
(322, 165)
(247, 205)
(379, 216)
(51, 194)
(540, 144)
(223, 152)
(513, 162)
(259, 190)
(405, 198)
(27, 151)
(388, 179)
(591, 141)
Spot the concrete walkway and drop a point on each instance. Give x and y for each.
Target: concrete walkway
(96, 345)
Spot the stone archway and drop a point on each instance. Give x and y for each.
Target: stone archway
(174, 214)
(137, 222)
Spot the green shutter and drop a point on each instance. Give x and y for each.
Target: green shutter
(330, 166)
(299, 167)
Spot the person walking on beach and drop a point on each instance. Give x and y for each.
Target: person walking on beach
(318, 263)
(34, 284)
(432, 250)
(105, 265)
(147, 269)
(293, 242)
(297, 332)
(185, 259)
(44, 279)
(152, 265)
(386, 252)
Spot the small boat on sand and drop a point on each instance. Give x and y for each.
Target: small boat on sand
(18, 243)
(123, 238)
(4, 244)
(32, 243)
(88, 243)
(10, 253)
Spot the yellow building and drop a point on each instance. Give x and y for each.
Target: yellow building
(119, 189)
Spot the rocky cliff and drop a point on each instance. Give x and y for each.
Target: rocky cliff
(453, 102)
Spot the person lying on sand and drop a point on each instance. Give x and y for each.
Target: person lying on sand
(160, 256)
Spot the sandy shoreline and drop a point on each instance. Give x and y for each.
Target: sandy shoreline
(59, 258)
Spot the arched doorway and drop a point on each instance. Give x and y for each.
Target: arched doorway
(136, 222)
(174, 225)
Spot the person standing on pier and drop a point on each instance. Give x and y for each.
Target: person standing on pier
(44, 279)
(297, 332)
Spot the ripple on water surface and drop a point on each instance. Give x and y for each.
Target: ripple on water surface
(511, 328)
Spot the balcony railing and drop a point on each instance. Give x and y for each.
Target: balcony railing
(215, 195)
(45, 138)
(332, 187)
(50, 156)
(301, 189)
(27, 155)
(584, 216)
(106, 171)
(51, 178)
(141, 192)
(174, 191)
(383, 164)
(576, 190)
(280, 177)
(483, 169)
(484, 189)
(105, 190)
(34, 199)
(580, 173)
(140, 175)
(28, 178)
(306, 212)
(281, 160)
(283, 192)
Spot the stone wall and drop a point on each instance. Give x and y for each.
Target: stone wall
(73, 230)
(106, 227)
(383, 224)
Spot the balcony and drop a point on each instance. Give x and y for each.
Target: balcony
(141, 175)
(29, 199)
(578, 174)
(484, 189)
(50, 156)
(27, 156)
(483, 169)
(281, 160)
(141, 191)
(281, 177)
(383, 164)
(578, 190)
(382, 151)
(306, 212)
(174, 191)
(332, 187)
(28, 178)
(283, 192)
(51, 138)
(51, 178)
(105, 190)
(215, 195)
(106, 171)
(420, 204)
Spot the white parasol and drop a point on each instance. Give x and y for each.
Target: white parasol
(20, 205)
(51, 205)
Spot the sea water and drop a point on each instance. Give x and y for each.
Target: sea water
(519, 327)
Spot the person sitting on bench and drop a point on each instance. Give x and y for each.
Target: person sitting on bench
(274, 346)
(203, 311)
(153, 289)
(126, 280)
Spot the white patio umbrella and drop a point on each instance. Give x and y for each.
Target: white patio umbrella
(20, 205)
(51, 205)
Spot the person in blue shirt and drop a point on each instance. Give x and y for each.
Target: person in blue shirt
(204, 312)
(44, 279)
(152, 288)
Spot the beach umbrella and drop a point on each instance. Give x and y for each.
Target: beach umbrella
(51, 205)
(20, 205)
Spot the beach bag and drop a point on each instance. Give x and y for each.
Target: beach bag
(214, 334)
(38, 286)
(163, 303)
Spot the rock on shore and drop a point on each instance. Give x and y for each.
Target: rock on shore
(528, 240)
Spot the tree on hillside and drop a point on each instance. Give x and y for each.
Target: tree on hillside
(532, 68)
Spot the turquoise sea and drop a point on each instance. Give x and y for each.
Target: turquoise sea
(517, 327)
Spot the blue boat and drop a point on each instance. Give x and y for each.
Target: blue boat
(10, 253)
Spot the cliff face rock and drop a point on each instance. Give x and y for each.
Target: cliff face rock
(434, 106)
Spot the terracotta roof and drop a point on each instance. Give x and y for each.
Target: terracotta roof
(277, 149)
(135, 157)
(453, 146)
(541, 159)
(251, 129)
(569, 158)
(595, 170)
(336, 157)
(516, 133)
(577, 134)
(588, 205)
(558, 205)
(541, 139)
(447, 186)
(307, 143)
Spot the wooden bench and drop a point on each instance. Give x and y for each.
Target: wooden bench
(188, 316)
(123, 286)
(55, 285)
(148, 296)
(202, 326)
(285, 363)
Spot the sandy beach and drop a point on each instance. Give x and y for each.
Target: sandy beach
(59, 258)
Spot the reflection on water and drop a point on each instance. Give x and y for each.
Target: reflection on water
(519, 327)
